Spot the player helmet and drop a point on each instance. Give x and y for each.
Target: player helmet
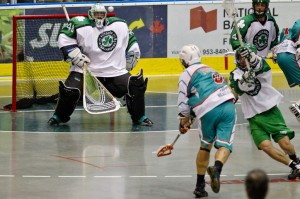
(98, 14)
(189, 54)
(251, 48)
(260, 13)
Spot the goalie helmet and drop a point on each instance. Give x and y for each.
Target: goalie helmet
(98, 13)
(189, 54)
(260, 13)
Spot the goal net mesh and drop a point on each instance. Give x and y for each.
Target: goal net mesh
(37, 61)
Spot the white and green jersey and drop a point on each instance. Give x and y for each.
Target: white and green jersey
(105, 47)
(263, 36)
(259, 96)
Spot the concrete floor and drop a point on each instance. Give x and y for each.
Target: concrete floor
(103, 156)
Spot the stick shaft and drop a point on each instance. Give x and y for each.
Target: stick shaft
(66, 12)
(175, 139)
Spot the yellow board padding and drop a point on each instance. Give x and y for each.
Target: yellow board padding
(151, 66)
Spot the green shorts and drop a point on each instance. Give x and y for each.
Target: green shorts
(269, 124)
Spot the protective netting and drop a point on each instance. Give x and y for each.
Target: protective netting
(39, 63)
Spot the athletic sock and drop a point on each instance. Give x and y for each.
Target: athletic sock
(200, 180)
(293, 164)
(219, 165)
(293, 157)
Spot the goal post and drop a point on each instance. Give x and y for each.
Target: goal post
(38, 63)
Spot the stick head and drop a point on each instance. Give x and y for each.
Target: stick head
(229, 8)
(164, 150)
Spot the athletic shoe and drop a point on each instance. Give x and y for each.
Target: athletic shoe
(200, 191)
(54, 121)
(294, 108)
(295, 173)
(144, 121)
(215, 178)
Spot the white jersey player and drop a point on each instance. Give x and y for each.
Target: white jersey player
(258, 28)
(110, 50)
(259, 102)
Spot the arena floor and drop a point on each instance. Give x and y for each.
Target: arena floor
(103, 156)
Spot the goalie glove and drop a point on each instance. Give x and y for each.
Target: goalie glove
(77, 57)
(185, 122)
(131, 60)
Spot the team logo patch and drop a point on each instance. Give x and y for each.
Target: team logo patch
(260, 40)
(107, 41)
(256, 86)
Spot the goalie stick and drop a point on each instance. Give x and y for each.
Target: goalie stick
(96, 98)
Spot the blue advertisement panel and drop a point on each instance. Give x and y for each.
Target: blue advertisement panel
(149, 23)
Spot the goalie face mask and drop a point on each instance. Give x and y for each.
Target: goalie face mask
(98, 14)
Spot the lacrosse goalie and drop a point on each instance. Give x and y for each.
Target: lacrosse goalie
(103, 43)
(259, 103)
(205, 92)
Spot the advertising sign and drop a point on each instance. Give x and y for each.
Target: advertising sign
(207, 25)
(149, 23)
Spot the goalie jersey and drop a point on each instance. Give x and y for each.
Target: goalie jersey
(105, 47)
(202, 89)
(263, 36)
(259, 96)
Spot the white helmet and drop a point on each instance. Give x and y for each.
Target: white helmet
(190, 54)
(97, 8)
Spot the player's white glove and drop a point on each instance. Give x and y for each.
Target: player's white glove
(298, 49)
(248, 76)
(131, 60)
(78, 58)
(185, 122)
(248, 54)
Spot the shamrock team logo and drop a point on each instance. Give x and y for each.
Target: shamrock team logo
(260, 40)
(107, 41)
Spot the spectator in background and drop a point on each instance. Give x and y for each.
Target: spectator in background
(257, 184)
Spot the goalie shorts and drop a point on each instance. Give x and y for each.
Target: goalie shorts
(218, 126)
(267, 125)
(290, 67)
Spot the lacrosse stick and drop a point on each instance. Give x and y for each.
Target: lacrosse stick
(167, 149)
(231, 12)
(96, 98)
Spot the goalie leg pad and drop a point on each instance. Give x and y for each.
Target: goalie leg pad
(135, 99)
(137, 85)
(68, 98)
